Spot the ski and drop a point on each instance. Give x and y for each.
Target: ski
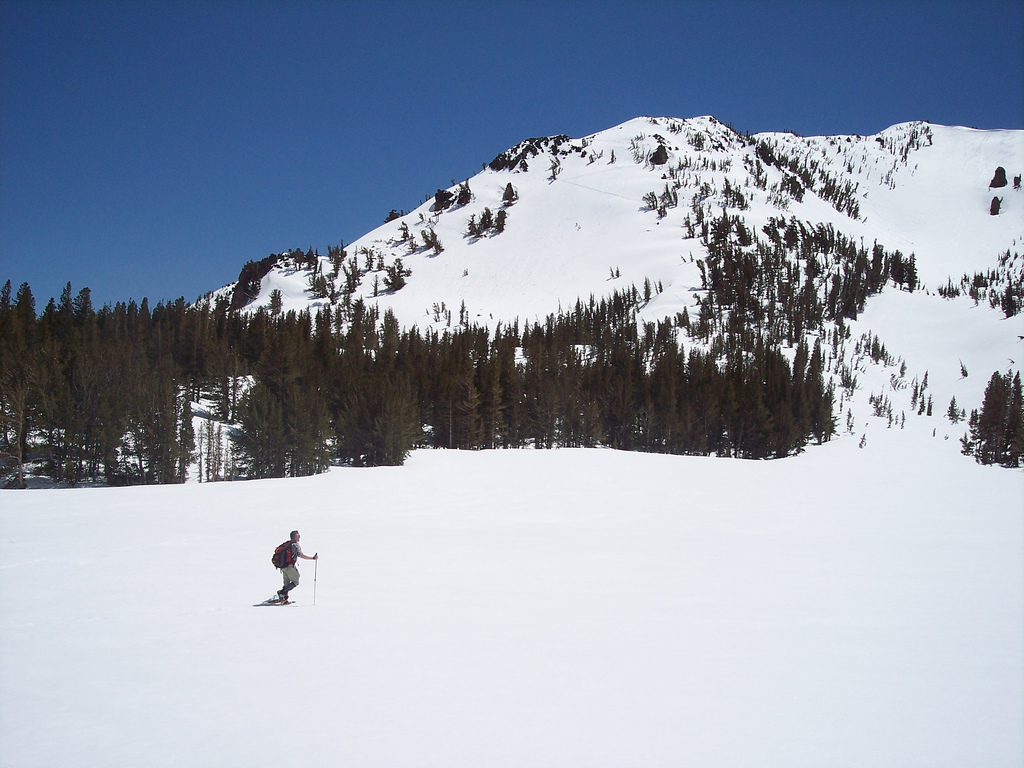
(274, 602)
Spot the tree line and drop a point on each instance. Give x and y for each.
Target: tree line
(95, 395)
(107, 394)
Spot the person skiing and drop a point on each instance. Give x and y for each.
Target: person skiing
(289, 572)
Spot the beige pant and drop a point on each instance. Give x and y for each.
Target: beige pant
(290, 573)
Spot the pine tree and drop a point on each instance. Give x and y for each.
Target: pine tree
(510, 196)
(953, 412)
(262, 435)
(395, 274)
(1015, 425)
(377, 424)
(276, 301)
(486, 220)
(997, 432)
(17, 323)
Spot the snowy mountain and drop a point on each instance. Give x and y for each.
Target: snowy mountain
(583, 210)
(631, 208)
(857, 603)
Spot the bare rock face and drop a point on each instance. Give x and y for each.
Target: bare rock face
(249, 280)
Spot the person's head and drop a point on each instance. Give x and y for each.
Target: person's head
(295, 535)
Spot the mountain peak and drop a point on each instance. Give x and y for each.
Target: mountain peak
(707, 228)
(626, 201)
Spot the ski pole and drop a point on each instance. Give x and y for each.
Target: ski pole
(316, 562)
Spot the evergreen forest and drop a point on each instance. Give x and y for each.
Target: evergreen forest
(107, 395)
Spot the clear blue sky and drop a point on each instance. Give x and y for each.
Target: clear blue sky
(151, 148)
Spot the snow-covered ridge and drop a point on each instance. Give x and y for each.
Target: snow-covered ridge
(588, 208)
(557, 219)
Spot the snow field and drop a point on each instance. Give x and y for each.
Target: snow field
(512, 608)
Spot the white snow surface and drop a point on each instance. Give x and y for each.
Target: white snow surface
(844, 607)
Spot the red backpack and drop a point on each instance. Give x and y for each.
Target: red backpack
(284, 555)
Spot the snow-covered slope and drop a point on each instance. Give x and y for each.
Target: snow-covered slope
(619, 209)
(916, 187)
